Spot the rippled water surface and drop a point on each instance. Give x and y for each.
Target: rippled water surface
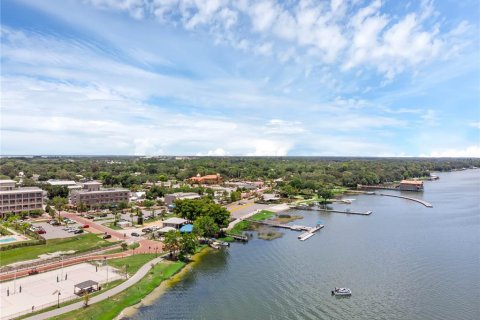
(405, 261)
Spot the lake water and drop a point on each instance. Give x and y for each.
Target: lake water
(405, 261)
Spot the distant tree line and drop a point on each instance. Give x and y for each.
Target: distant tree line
(304, 175)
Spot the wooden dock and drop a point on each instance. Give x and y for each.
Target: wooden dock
(238, 237)
(366, 213)
(308, 231)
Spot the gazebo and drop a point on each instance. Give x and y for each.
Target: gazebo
(85, 286)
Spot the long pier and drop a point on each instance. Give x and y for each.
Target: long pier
(366, 213)
(425, 203)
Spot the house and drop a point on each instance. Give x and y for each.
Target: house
(411, 185)
(175, 222)
(208, 179)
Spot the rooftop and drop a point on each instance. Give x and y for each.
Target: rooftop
(413, 182)
(7, 181)
(22, 190)
(92, 183)
(175, 220)
(61, 182)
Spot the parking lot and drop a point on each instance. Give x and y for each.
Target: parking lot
(55, 232)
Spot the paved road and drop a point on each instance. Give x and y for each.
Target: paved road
(105, 295)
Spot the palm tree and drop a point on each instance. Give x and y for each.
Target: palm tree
(172, 242)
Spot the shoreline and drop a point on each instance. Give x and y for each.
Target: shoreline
(158, 292)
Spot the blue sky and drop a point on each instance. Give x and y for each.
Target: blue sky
(171, 77)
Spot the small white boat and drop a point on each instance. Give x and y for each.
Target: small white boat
(341, 292)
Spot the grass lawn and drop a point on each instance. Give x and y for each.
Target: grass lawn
(241, 226)
(81, 243)
(134, 262)
(118, 250)
(110, 308)
(263, 215)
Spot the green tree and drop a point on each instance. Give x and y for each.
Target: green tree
(205, 226)
(122, 205)
(134, 246)
(124, 246)
(139, 216)
(82, 207)
(59, 203)
(188, 245)
(172, 242)
(325, 194)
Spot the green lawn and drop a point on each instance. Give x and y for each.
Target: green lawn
(239, 227)
(263, 215)
(81, 243)
(134, 262)
(110, 308)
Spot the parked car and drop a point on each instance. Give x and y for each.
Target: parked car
(78, 231)
(103, 215)
(54, 223)
(41, 231)
(134, 234)
(146, 230)
(71, 222)
(107, 236)
(85, 226)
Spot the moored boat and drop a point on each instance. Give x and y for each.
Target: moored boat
(341, 292)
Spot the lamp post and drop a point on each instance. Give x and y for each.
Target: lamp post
(62, 268)
(58, 299)
(15, 282)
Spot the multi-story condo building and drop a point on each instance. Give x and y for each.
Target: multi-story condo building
(17, 200)
(92, 195)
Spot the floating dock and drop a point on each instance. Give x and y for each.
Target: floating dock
(366, 213)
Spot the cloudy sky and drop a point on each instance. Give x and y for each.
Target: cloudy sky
(244, 77)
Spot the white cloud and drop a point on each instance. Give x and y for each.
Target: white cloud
(472, 151)
(265, 147)
(218, 152)
(356, 34)
(475, 124)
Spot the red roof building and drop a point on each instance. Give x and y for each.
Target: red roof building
(411, 185)
(208, 179)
